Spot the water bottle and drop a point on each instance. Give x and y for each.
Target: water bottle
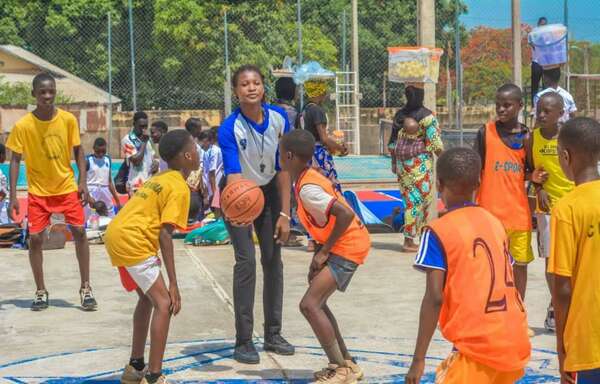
(94, 221)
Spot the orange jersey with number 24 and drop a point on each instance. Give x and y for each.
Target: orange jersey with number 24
(482, 313)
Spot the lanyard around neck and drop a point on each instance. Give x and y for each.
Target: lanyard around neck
(260, 148)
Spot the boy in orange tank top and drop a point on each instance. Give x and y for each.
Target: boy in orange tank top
(470, 286)
(343, 245)
(505, 169)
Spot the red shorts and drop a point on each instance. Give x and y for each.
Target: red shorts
(128, 283)
(40, 208)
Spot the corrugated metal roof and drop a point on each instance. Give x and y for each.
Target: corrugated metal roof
(69, 84)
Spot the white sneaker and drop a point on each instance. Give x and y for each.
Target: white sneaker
(131, 375)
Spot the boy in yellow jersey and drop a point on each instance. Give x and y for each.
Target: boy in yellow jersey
(46, 138)
(574, 256)
(550, 181)
(470, 286)
(133, 239)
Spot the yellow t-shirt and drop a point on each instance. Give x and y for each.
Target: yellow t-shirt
(545, 153)
(575, 251)
(47, 147)
(132, 236)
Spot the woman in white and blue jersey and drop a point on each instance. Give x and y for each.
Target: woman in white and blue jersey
(249, 140)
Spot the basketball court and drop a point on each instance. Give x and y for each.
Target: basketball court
(378, 314)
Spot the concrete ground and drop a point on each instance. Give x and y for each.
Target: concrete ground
(378, 314)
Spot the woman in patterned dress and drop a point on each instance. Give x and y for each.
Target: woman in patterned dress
(412, 162)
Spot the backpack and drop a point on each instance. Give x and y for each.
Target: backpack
(121, 178)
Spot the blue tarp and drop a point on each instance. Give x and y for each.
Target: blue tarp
(366, 216)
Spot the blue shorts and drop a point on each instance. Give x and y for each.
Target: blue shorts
(342, 270)
(587, 377)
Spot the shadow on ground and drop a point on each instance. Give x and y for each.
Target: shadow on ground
(386, 246)
(26, 303)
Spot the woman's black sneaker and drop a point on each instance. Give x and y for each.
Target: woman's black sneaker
(277, 344)
(40, 301)
(246, 353)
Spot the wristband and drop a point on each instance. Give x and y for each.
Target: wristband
(285, 215)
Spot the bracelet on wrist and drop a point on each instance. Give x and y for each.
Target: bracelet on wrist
(285, 215)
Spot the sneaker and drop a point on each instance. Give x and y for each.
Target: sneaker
(40, 301)
(550, 323)
(131, 375)
(161, 380)
(340, 375)
(88, 303)
(355, 368)
(277, 344)
(246, 353)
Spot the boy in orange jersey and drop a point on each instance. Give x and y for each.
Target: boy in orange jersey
(501, 145)
(344, 243)
(470, 286)
(575, 247)
(46, 138)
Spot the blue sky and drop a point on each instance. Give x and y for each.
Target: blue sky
(584, 15)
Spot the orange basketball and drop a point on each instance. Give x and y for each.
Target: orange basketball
(242, 201)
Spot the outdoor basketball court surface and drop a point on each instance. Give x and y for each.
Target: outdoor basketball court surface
(378, 314)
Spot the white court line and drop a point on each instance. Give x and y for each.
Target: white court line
(221, 294)
(214, 284)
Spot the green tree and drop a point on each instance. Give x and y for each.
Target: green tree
(179, 45)
(19, 94)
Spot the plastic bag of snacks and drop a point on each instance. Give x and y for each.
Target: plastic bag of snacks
(549, 44)
(414, 64)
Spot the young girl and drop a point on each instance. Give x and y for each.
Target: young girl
(99, 180)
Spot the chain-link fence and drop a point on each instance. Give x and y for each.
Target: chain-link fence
(180, 53)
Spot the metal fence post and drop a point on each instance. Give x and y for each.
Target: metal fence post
(300, 53)
(567, 66)
(458, 65)
(516, 43)
(227, 85)
(109, 46)
(344, 34)
(132, 54)
(355, 69)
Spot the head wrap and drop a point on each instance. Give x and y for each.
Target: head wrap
(413, 108)
(315, 88)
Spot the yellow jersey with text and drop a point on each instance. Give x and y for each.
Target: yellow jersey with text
(545, 154)
(132, 236)
(574, 253)
(46, 147)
